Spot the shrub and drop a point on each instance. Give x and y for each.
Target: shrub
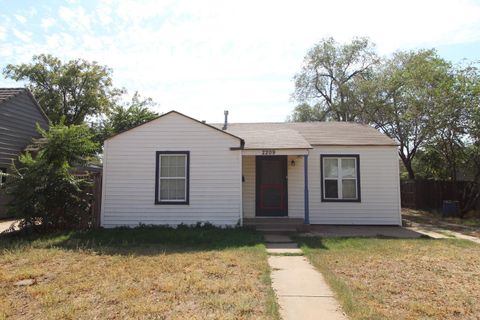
(45, 191)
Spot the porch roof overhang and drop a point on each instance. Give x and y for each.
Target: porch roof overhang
(275, 152)
(279, 141)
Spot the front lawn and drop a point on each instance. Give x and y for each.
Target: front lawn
(400, 279)
(200, 273)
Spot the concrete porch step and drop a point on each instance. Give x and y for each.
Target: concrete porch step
(273, 220)
(274, 224)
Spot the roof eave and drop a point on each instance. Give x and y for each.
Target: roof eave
(242, 142)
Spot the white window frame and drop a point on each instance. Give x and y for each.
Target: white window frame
(160, 155)
(339, 178)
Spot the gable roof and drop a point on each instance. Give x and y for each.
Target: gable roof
(274, 134)
(183, 115)
(294, 135)
(7, 94)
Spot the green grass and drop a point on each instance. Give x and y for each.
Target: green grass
(183, 237)
(400, 279)
(146, 272)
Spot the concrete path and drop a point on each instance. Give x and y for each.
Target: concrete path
(361, 231)
(6, 224)
(301, 290)
(437, 232)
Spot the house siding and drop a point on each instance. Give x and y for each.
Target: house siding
(129, 171)
(379, 185)
(248, 186)
(18, 119)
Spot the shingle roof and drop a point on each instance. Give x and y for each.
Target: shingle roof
(271, 139)
(8, 93)
(276, 135)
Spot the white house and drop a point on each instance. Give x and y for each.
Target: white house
(176, 169)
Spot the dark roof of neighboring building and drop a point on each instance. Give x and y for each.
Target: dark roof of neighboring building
(276, 135)
(8, 93)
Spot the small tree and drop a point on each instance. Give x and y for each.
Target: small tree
(125, 117)
(45, 192)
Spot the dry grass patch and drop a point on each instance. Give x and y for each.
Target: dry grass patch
(401, 279)
(145, 280)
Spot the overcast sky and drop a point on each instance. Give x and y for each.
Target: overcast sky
(201, 57)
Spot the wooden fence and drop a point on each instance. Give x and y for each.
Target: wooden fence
(97, 199)
(92, 218)
(430, 194)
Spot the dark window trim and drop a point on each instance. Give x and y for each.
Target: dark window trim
(157, 176)
(357, 157)
(3, 179)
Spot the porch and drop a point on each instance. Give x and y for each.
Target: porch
(275, 189)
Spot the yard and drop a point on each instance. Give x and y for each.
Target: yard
(142, 273)
(400, 279)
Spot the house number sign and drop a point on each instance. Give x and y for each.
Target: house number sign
(268, 152)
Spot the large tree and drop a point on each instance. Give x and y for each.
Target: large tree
(305, 112)
(73, 90)
(409, 91)
(330, 77)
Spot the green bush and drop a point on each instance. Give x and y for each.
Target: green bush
(45, 191)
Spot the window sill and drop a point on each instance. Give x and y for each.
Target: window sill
(172, 202)
(341, 200)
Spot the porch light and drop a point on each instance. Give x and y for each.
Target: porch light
(292, 163)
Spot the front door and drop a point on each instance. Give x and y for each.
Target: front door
(271, 186)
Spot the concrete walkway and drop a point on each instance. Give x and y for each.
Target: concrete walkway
(437, 232)
(6, 224)
(361, 231)
(301, 290)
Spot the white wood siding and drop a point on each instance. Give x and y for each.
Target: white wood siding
(248, 185)
(380, 188)
(129, 175)
(295, 187)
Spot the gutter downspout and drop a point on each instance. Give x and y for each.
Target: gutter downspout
(241, 185)
(305, 192)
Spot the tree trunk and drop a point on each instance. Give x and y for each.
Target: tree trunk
(408, 166)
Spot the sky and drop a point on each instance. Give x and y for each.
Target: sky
(203, 57)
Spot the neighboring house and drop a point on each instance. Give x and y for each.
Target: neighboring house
(175, 170)
(19, 115)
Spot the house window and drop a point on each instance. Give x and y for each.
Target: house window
(340, 178)
(3, 178)
(172, 177)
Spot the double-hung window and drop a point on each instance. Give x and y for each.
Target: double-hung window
(340, 178)
(172, 183)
